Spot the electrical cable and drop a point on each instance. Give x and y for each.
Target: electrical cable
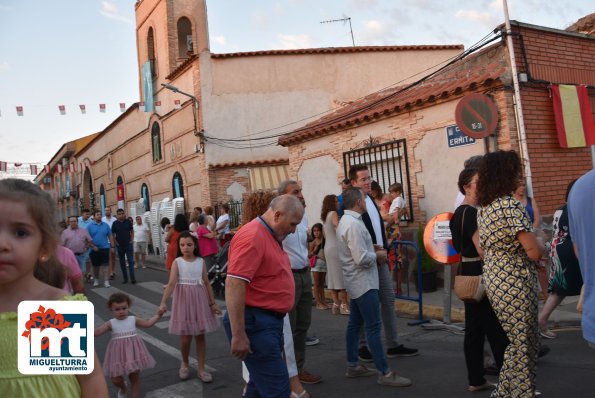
(447, 63)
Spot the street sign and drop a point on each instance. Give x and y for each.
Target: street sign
(438, 239)
(456, 138)
(477, 115)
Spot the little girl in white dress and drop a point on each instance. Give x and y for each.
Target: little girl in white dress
(126, 353)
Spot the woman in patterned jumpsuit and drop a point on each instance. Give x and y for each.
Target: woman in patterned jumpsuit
(510, 274)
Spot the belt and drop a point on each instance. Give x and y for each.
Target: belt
(299, 271)
(80, 254)
(470, 259)
(275, 314)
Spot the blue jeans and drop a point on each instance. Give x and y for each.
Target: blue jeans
(268, 371)
(128, 251)
(365, 311)
(387, 308)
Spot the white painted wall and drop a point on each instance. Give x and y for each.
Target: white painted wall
(441, 166)
(319, 178)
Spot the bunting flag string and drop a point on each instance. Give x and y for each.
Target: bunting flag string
(20, 109)
(17, 167)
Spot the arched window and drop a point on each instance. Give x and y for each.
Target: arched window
(156, 142)
(185, 46)
(144, 193)
(177, 186)
(102, 201)
(151, 52)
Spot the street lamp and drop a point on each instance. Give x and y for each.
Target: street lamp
(194, 108)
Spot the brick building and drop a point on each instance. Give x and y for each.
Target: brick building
(204, 135)
(403, 133)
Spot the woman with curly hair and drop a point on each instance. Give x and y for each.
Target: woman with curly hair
(510, 252)
(256, 204)
(335, 284)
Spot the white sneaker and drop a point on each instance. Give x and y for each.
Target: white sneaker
(96, 283)
(106, 284)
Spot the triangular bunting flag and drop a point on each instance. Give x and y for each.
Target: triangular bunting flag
(157, 106)
(83, 109)
(33, 169)
(102, 108)
(62, 109)
(141, 106)
(3, 166)
(177, 104)
(122, 106)
(19, 110)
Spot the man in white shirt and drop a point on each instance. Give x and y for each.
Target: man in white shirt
(141, 239)
(360, 178)
(109, 220)
(360, 260)
(296, 247)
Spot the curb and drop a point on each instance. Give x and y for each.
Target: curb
(411, 309)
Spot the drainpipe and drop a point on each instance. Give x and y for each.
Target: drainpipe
(518, 107)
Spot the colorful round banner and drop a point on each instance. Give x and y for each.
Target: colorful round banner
(438, 239)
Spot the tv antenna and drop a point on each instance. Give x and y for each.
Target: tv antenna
(344, 19)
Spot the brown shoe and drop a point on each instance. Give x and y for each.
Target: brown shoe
(308, 378)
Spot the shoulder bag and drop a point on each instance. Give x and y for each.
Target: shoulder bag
(468, 288)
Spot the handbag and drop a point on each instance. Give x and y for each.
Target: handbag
(469, 288)
(312, 261)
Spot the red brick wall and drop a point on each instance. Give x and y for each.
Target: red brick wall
(558, 58)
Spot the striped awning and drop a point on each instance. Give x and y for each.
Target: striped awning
(268, 177)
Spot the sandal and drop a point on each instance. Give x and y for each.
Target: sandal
(205, 376)
(300, 395)
(184, 373)
(344, 310)
(335, 309)
(547, 333)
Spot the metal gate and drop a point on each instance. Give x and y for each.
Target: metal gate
(388, 164)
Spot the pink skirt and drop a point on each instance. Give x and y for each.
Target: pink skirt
(191, 314)
(125, 356)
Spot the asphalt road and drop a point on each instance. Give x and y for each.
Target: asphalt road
(439, 370)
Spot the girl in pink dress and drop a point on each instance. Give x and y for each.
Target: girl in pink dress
(193, 306)
(126, 353)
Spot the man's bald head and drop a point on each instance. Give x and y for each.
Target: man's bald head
(283, 215)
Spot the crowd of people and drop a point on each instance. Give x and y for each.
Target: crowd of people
(278, 270)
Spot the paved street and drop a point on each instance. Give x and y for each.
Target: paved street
(439, 371)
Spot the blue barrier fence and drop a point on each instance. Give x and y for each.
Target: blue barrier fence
(401, 248)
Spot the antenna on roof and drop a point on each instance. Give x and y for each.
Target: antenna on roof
(345, 19)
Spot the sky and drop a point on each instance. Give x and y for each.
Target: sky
(72, 52)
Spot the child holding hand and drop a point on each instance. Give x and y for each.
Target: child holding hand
(126, 353)
(193, 307)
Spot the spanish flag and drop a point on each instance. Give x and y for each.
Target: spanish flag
(574, 120)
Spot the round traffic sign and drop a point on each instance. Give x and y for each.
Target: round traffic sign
(476, 115)
(438, 239)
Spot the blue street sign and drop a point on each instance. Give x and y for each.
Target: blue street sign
(456, 138)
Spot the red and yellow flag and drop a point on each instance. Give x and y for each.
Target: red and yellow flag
(574, 120)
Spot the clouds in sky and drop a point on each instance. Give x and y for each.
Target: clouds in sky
(4, 66)
(290, 42)
(377, 32)
(110, 10)
(486, 19)
(219, 40)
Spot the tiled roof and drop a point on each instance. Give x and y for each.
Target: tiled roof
(249, 163)
(335, 50)
(459, 78)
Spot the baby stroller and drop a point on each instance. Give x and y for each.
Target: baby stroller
(218, 271)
